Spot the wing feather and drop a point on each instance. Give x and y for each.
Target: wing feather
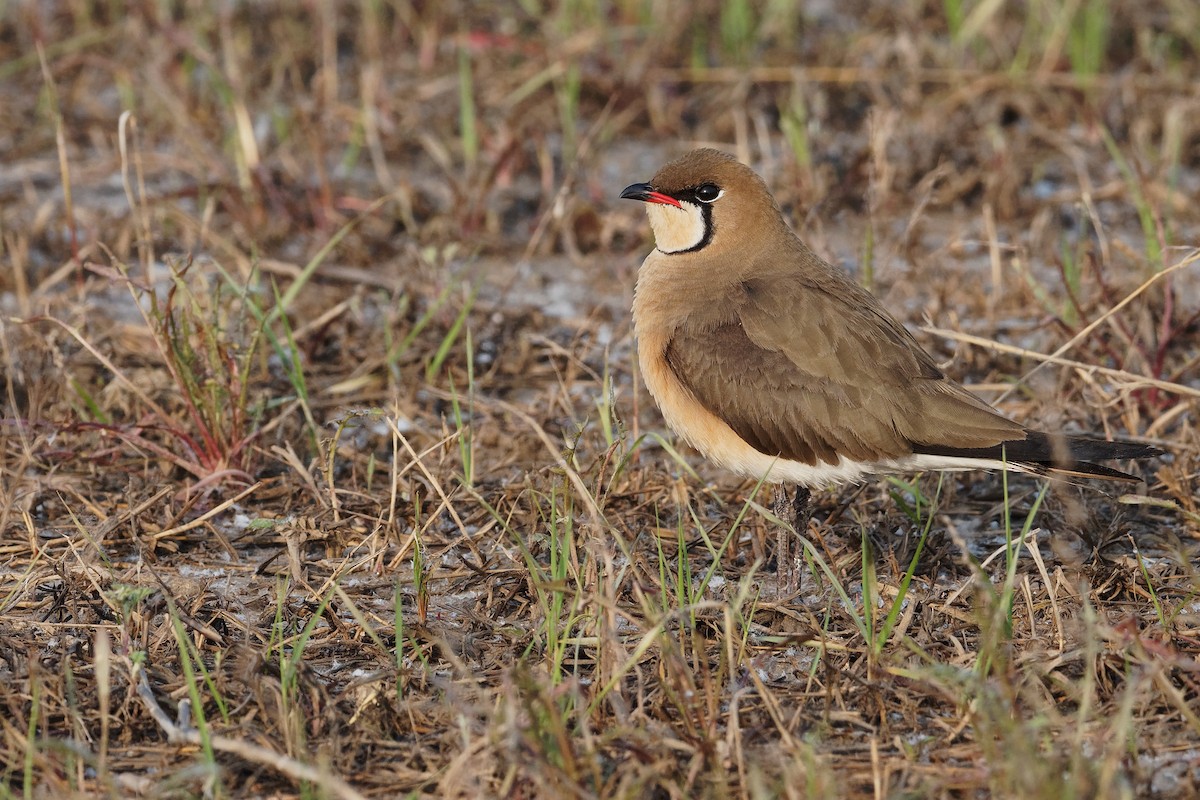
(808, 375)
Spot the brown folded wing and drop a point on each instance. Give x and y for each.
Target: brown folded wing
(807, 374)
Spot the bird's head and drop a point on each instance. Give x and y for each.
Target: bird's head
(699, 201)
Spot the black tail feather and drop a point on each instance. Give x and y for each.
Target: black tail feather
(1047, 453)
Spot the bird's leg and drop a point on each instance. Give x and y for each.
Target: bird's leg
(797, 511)
(801, 509)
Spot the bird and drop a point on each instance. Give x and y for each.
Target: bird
(778, 366)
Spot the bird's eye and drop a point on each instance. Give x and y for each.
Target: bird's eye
(708, 193)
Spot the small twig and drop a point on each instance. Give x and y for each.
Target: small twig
(1123, 329)
(1117, 374)
(212, 512)
(1053, 358)
(256, 754)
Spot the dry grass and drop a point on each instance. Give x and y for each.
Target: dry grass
(325, 470)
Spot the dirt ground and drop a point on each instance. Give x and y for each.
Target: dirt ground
(325, 465)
